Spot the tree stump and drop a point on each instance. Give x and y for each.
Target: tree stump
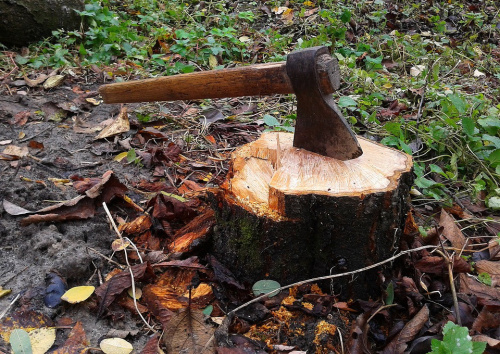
(288, 214)
(26, 21)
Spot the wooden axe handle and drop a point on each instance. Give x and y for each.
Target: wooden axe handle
(252, 80)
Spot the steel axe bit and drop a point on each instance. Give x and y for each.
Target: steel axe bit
(312, 74)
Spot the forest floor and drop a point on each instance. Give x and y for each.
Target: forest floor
(63, 153)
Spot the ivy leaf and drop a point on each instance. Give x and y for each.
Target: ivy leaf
(266, 287)
(271, 121)
(346, 101)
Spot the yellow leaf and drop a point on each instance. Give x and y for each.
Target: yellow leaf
(308, 3)
(115, 346)
(21, 135)
(387, 85)
(208, 177)
(121, 156)
(119, 245)
(212, 61)
(78, 294)
(42, 339)
(138, 293)
(93, 101)
(4, 292)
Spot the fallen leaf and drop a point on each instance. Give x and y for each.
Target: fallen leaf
(12, 209)
(400, 343)
(35, 145)
(27, 320)
(138, 293)
(78, 294)
(35, 82)
(16, 150)
(119, 125)
(42, 339)
(53, 81)
(4, 292)
(21, 118)
(153, 345)
(76, 343)
(119, 244)
(478, 73)
(20, 342)
(188, 333)
(115, 346)
(451, 231)
(113, 287)
(416, 70)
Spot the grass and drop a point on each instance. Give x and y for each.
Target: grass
(421, 77)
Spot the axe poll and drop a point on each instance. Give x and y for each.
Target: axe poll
(311, 74)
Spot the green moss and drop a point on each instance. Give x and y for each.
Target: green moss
(246, 244)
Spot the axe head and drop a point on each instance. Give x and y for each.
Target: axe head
(320, 126)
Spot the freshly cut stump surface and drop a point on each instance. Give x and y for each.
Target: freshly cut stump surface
(288, 214)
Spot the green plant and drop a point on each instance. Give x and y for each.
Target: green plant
(275, 124)
(456, 340)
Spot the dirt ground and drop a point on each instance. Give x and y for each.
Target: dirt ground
(29, 253)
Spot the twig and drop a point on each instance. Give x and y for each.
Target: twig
(452, 285)
(107, 258)
(326, 277)
(10, 305)
(132, 281)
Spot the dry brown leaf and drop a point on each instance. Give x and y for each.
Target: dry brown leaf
(188, 333)
(451, 231)
(35, 82)
(16, 150)
(119, 125)
(408, 333)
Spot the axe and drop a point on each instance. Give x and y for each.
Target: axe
(311, 74)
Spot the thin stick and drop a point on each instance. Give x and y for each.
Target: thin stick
(452, 285)
(326, 277)
(107, 258)
(9, 306)
(132, 280)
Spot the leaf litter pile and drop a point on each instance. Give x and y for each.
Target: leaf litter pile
(106, 223)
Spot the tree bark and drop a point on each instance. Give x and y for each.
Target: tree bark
(25, 21)
(289, 215)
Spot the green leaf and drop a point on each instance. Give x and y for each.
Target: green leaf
(494, 157)
(422, 182)
(20, 342)
(131, 155)
(346, 16)
(484, 278)
(373, 63)
(208, 310)
(21, 60)
(175, 196)
(271, 121)
(266, 287)
(346, 101)
(437, 169)
(456, 340)
(468, 126)
(495, 140)
(458, 103)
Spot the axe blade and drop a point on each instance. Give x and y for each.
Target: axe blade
(320, 126)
